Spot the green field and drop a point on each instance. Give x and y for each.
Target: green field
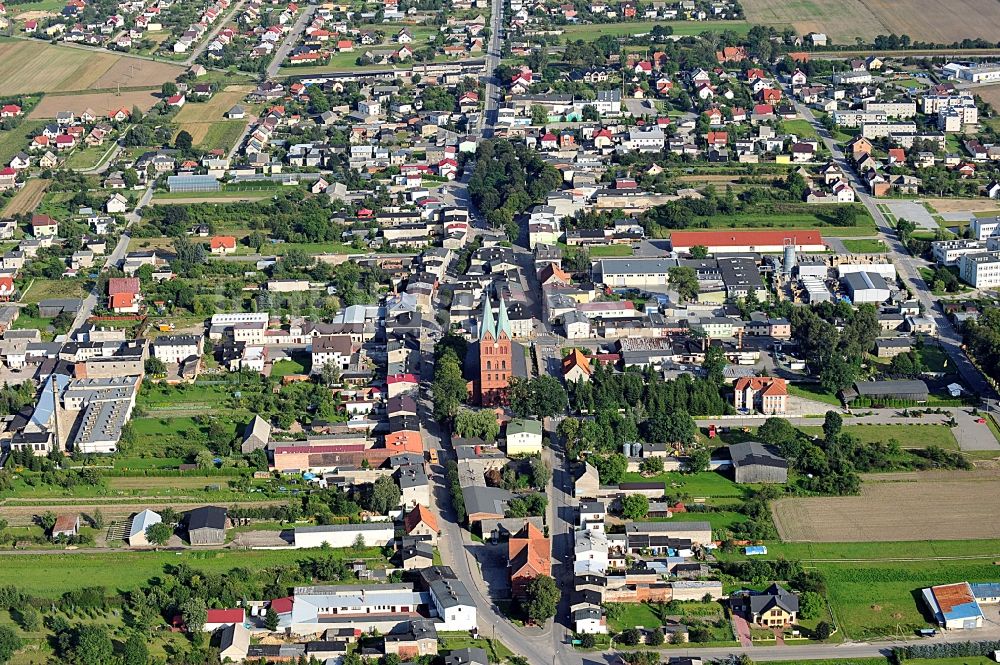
(43, 289)
(814, 552)
(611, 250)
(813, 392)
(223, 134)
(908, 436)
(865, 246)
(52, 575)
(805, 218)
(17, 139)
(801, 128)
(704, 484)
(496, 650)
(589, 32)
(296, 365)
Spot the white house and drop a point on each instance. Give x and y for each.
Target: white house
(524, 437)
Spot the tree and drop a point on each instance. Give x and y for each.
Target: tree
(685, 281)
(697, 460)
(655, 637)
(539, 116)
(204, 459)
(651, 465)
(823, 630)
(540, 474)
(155, 366)
(541, 598)
(385, 495)
(610, 468)
(635, 507)
(483, 423)
(810, 605)
(134, 651)
(47, 521)
(92, 644)
(28, 617)
(9, 643)
(271, 619)
(587, 641)
(715, 363)
(97, 518)
(543, 396)
(449, 386)
(832, 424)
(630, 637)
(168, 89)
(699, 252)
(195, 613)
(330, 374)
(183, 140)
(159, 533)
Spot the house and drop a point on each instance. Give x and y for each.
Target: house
(256, 435)
(754, 462)
(416, 555)
(234, 642)
(576, 367)
(762, 394)
(334, 349)
(139, 525)
(124, 295)
(207, 525)
(216, 619)
(417, 637)
(469, 656)
(590, 621)
(524, 437)
(43, 226)
(586, 481)
(222, 245)
(8, 178)
(421, 523)
(175, 349)
(117, 204)
(528, 557)
(67, 526)
(774, 607)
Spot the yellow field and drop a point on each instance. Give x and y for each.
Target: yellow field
(100, 103)
(28, 198)
(33, 66)
(844, 20)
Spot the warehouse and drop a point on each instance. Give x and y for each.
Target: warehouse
(954, 606)
(374, 534)
(764, 242)
(866, 287)
(913, 390)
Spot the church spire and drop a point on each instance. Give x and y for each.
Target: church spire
(503, 323)
(486, 323)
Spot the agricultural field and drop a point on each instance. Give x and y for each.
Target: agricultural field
(589, 32)
(845, 20)
(15, 140)
(951, 505)
(206, 122)
(31, 66)
(27, 199)
(99, 102)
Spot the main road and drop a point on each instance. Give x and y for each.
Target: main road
(907, 265)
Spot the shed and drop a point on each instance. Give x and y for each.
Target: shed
(753, 462)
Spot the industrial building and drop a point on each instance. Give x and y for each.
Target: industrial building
(957, 606)
(866, 287)
(764, 242)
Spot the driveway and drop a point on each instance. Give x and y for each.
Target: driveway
(913, 211)
(742, 630)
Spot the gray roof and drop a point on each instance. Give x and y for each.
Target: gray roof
(473, 656)
(652, 527)
(451, 593)
(774, 596)
(899, 387)
(332, 528)
(859, 281)
(753, 452)
(482, 499)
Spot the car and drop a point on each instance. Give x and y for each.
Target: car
(981, 421)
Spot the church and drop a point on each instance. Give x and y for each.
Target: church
(494, 358)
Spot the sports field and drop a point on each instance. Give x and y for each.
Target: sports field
(933, 505)
(33, 66)
(844, 20)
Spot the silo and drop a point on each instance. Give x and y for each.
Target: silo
(789, 259)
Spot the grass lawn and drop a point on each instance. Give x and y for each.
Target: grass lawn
(806, 216)
(128, 570)
(589, 32)
(723, 519)
(311, 248)
(221, 134)
(633, 615)
(42, 289)
(813, 392)
(928, 276)
(966, 660)
(704, 484)
(88, 157)
(25, 322)
(908, 436)
(801, 128)
(611, 250)
(496, 650)
(884, 598)
(296, 365)
(865, 246)
(935, 359)
(17, 139)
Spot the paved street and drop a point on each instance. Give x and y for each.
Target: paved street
(288, 43)
(90, 302)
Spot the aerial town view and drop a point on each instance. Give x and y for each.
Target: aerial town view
(500, 332)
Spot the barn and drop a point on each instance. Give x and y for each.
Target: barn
(754, 462)
(207, 525)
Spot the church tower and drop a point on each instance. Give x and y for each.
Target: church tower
(495, 355)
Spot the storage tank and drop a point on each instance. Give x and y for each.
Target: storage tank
(789, 260)
(636, 449)
(627, 449)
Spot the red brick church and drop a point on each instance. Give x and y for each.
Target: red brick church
(492, 357)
